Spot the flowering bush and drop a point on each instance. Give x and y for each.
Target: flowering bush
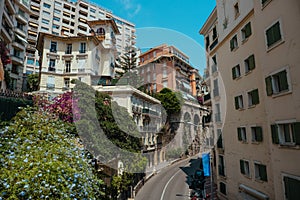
(41, 159)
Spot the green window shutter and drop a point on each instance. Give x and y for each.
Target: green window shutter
(283, 83)
(296, 133)
(236, 100)
(291, 187)
(239, 134)
(276, 30)
(233, 73)
(248, 31)
(269, 89)
(263, 1)
(255, 97)
(274, 131)
(251, 62)
(242, 167)
(270, 39)
(263, 172)
(231, 44)
(259, 136)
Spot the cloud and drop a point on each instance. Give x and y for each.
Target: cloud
(131, 7)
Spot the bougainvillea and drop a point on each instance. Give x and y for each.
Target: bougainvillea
(41, 159)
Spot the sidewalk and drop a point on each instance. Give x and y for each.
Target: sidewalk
(150, 171)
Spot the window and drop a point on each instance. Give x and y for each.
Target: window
(273, 34)
(165, 84)
(56, 11)
(215, 34)
(51, 65)
(56, 18)
(44, 29)
(244, 167)
(220, 139)
(165, 74)
(46, 14)
(277, 83)
(239, 102)
(45, 21)
(221, 166)
(249, 63)
(214, 64)
(222, 187)
(253, 98)
(218, 113)
(260, 172)
(233, 43)
(286, 133)
(242, 136)
(257, 135)
(265, 2)
(236, 10)
(216, 88)
(53, 47)
(69, 49)
(46, 5)
(50, 82)
(291, 187)
(246, 31)
(92, 10)
(68, 67)
(207, 42)
(54, 26)
(154, 54)
(82, 47)
(236, 72)
(148, 77)
(56, 3)
(66, 82)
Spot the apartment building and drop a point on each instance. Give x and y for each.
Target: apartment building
(146, 113)
(69, 18)
(254, 47)
(88, 58)
(166, 66)
(14, 15)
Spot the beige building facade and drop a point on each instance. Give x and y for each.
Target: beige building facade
(89, 59)
(256, 49)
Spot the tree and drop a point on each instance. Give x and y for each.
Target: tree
(32, 82)
(4, 54)
(126, 66)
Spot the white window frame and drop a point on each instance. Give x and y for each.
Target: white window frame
(256, 170)
(243, 133)
(240, 101)
(279, 93)
(281, 134)
(281, 33)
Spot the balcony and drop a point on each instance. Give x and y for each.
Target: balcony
(17, 59)
(18, 45)
(9, 18)
(20, 31)
(33, 29)
(31, 47)
(50, 86)
(51, 69)
(7, 33)
(35, 11)
(151, 129)
(10, 6)
(22, 17)
(150, 112)
(35, 4)
(32, 38)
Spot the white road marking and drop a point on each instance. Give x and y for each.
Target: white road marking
(164, 190)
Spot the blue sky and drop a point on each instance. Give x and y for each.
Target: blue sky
(175, 22)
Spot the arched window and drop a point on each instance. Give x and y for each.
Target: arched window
(100, 31)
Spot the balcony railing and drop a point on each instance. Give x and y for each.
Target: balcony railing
(151, 112)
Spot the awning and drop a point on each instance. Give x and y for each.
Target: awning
(253, 192)
(22, 39)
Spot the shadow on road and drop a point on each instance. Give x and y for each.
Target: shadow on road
(190, 170)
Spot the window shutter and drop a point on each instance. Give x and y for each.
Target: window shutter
(251, 62)
(255, 97)
(259, 136)
(236, 100)
(276, 31)
(296, 133)
(239, 134)
(269, 89)
(231, 44)
(291, 187)
(263, 172)
(283, 83)
(270, 39)
(242, 167)
(248, 31)
(233, 73)
(274, 132)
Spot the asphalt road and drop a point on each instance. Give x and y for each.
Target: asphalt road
(171, 183)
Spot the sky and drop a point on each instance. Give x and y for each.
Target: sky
(174, 22)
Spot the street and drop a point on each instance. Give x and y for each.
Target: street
(172, 182)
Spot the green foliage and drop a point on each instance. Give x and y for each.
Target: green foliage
(10, 106)
(128, 61)
(32, 82)
(41, 159)
(171, 101)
